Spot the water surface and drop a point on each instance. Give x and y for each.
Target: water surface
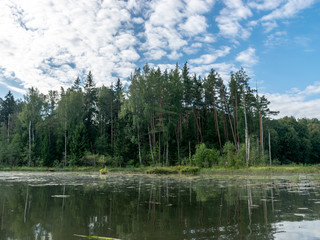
(57, 206)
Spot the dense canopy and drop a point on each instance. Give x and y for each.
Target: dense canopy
(162, 118)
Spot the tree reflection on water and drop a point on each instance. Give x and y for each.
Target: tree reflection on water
(143, 207)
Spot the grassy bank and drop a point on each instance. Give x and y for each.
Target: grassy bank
(284, 169)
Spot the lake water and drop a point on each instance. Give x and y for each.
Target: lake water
(58, 206)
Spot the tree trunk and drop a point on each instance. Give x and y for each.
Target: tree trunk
(9, 128)
(230, 122)
(190, 152)
(270, 159)
(29, 153)
(236, 120)
(195, 115)
(159, 149)
(246, 131)
(111, 130)
(178, 143)
(225, 128)
(167, 153)
(139, 147)
(216, 120)
(261, 136)
(150, 144)
(65, 142)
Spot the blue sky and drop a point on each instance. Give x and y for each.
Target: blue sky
(47, 44)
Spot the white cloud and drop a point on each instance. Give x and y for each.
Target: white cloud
(170, 25)
(230, 17)
(223, 69)
(247, 57)
(199, 6)
(193, 48)
(210, 58)
(265, 4)
(276, 39)
(206, 38)
(15, 89)
(291, 8)
(42, 41)
(269, 26)
(194, 25)
(297, 103)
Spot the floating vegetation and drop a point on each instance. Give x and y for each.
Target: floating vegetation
(103, 171)
(95, 237)
(60, 196)
(173, 170)
(299, 214)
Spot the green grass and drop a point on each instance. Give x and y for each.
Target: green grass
(47, 169)
(283, 169)
(173, 170)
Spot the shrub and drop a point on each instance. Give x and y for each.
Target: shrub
(205, 157)
(190, 170)
(229, 155)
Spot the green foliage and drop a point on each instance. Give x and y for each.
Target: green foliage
(77, 145)
(162, 170)
(205, 157)
(162, 118)
(173, 170)
(229, 155)
(104, 170)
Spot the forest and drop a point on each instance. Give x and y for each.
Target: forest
(162, 118)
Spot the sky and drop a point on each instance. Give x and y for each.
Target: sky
(48, 43)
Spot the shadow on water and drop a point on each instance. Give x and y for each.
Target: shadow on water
(57, 206)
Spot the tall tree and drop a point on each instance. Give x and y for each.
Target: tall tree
(90, 109)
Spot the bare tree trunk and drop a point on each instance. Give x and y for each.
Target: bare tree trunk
(246, 131)
(65, 142)
(190, 152)
(180, 126)
(236, 127)
(9, 128)
(111, 130)
(216, 120)
(139, 147)
(261, 136)
(249, 143)
(151, 148)
(29, 153)
(197, 123)
(178, 146)
(269, 138)
(167, 153)
(225, 128)
(159, 149)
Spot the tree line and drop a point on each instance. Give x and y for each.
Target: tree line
(166, 118)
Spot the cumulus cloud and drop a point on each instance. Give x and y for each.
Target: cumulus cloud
(210, 58)
(264, 5)
(291, 8)
(194, 25)
(229, 19)
(297, 103)
(281, 9)
(170, 24)
(222, 68)
(47, 44)
(247, 57)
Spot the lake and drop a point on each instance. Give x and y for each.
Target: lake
(58, 206)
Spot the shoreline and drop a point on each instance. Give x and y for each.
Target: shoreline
(185, 170)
